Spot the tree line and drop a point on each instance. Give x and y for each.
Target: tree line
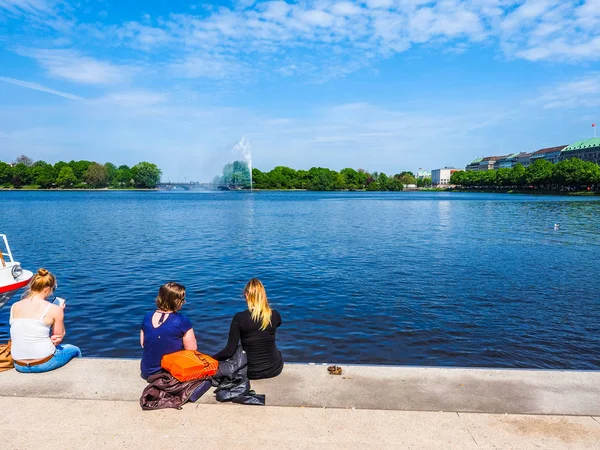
(316, 179)
(569, 174)
(26, 173)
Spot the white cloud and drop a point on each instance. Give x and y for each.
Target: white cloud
(133, 99)
(346, 9)
(26, 6)
(39, 87)
(208, 65)
(327, 37)
(583, 91)
(70, 65)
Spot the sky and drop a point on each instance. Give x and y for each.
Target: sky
(383, 85)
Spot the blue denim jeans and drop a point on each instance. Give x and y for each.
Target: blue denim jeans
(64, 354)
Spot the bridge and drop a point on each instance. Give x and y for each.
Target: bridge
(186, 186)
(196, 186)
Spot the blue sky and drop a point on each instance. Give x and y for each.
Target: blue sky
(386, 85)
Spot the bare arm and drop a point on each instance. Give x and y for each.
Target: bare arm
(142, 338)
(58, 327)
(189, 340)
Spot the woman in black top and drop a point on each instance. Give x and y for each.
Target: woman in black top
(255, 327)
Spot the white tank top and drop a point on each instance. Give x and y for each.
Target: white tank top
(30, 338)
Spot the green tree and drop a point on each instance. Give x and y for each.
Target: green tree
(22, 175)
(395, 185)
(517, 175)
(303, 179)
(321, 179)
(123, 176)
(79, 169)
(66, 178)
(362, 178)
(575, 173)
(459, 178)
(146, 175)
(259, 179)
(426, 182)
(539, 173)
(351, 179)
(96, 175)
(44, 174)
(6, 174)
(59, 165)
(111, 171)
(373, 186)
(503, 177)
(406, 177)
(282, 177)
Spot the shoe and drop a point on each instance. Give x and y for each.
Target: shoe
(334, 370)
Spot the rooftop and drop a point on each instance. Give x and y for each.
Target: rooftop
(586, 143)
(543, 151)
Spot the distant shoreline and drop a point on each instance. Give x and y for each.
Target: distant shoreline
(528, 192)
(456, 190)
(76, 190)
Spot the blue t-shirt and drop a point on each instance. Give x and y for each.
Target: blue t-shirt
(162, 340)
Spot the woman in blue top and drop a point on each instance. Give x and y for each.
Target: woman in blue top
(165, 331)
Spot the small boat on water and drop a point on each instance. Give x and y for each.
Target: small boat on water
(12, 276)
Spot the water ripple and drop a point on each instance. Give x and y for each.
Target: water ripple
(394, 278)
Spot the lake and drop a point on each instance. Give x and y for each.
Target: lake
(434, 279)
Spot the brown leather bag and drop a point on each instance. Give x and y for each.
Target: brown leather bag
(6, 361)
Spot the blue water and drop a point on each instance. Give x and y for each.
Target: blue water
(445, 279)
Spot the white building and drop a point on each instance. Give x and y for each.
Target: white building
(442, 176)
(423, 174)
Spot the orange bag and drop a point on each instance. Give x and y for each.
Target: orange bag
(186, 365)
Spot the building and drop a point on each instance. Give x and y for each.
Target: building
(473, 165)
(421, 174)
(506, 162)
(510, 161)
(587, 150)
(524, 159)
(441, 177)
(551, 154)
(484, 164)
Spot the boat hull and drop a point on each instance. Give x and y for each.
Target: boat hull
(8, 291)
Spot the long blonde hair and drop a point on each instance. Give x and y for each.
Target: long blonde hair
(258, 305)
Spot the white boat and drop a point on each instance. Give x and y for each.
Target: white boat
(12, 276)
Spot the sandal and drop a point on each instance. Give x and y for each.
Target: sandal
(334, 370)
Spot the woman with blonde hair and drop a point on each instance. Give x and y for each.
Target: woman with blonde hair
(255, 327)
(165, 330)
(37, 328)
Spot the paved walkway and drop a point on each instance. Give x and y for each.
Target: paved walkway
(93, 403)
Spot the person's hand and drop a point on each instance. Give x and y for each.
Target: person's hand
(56, 338)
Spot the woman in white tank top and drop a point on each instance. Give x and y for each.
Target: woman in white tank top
(37, 329)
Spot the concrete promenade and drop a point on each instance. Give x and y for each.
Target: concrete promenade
(93, 403)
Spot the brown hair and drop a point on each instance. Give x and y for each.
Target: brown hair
(41, 280)
(171, 296)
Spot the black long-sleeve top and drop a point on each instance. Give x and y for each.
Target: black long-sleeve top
(264, 359)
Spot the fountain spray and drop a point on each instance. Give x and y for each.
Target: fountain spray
(245, 149)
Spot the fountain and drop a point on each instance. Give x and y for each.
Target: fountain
(245, 149)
